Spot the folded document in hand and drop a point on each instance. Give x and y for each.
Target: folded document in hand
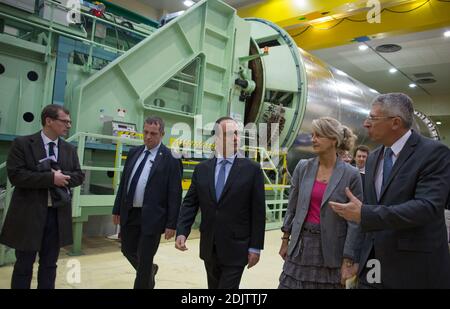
(61, 196)
(351, 283)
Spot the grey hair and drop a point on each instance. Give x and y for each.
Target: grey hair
(396, 104)
(331, 128)
(156, 120)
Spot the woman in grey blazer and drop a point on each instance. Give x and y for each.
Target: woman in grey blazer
(320, 248)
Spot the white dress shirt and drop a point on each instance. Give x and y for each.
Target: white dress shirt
(138, 199)
(396, 148)
(47, 140)
(219, 160)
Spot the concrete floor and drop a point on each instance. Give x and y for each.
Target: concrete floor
(104, 267)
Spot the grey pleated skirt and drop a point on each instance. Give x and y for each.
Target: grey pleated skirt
(305, 268)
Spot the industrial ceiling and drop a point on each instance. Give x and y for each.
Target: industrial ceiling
(334, 30)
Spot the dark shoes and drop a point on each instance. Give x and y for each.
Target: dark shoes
(155, 269)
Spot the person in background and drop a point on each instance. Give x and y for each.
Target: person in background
(345, 156)
(361, 154)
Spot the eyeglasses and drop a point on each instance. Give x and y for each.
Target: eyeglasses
(226, 133)
(231, 133)
(66, 122)
(373, 118)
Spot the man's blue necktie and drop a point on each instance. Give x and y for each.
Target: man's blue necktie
(51, 149)
(221, 179)
(387, 165)
(135, 179)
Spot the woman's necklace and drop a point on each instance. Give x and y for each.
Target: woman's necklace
(323, 176)
(323, 180)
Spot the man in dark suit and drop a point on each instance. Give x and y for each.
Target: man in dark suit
(406, 189)
(229, 190)
(361, 154)
(148, 201)
(32, 223)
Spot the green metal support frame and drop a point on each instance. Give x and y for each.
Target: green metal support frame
(84, 206)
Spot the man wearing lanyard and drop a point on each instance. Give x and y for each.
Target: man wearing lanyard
(148, 201)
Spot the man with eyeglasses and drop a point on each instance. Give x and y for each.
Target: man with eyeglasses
(35, 222)
(402, 215)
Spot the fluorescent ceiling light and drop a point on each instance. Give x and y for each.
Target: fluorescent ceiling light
(412, 85)
(300, 3)
(341, 73)
(188, 3)
(438, 123)
(392, 70)
(321, 20)
(363, 47)
(447, 34)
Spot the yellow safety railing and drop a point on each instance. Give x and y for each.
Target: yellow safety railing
(118, 157)
(186, 146)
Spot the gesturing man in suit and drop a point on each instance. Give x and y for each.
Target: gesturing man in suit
(33, 223)
(406, 188)
(148, 201)
(229, 190)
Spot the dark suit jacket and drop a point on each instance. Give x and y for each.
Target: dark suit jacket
(25, 221)
(233, 224)
(448, 202)
(406, 226)
(363, 179)
(162, 198)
